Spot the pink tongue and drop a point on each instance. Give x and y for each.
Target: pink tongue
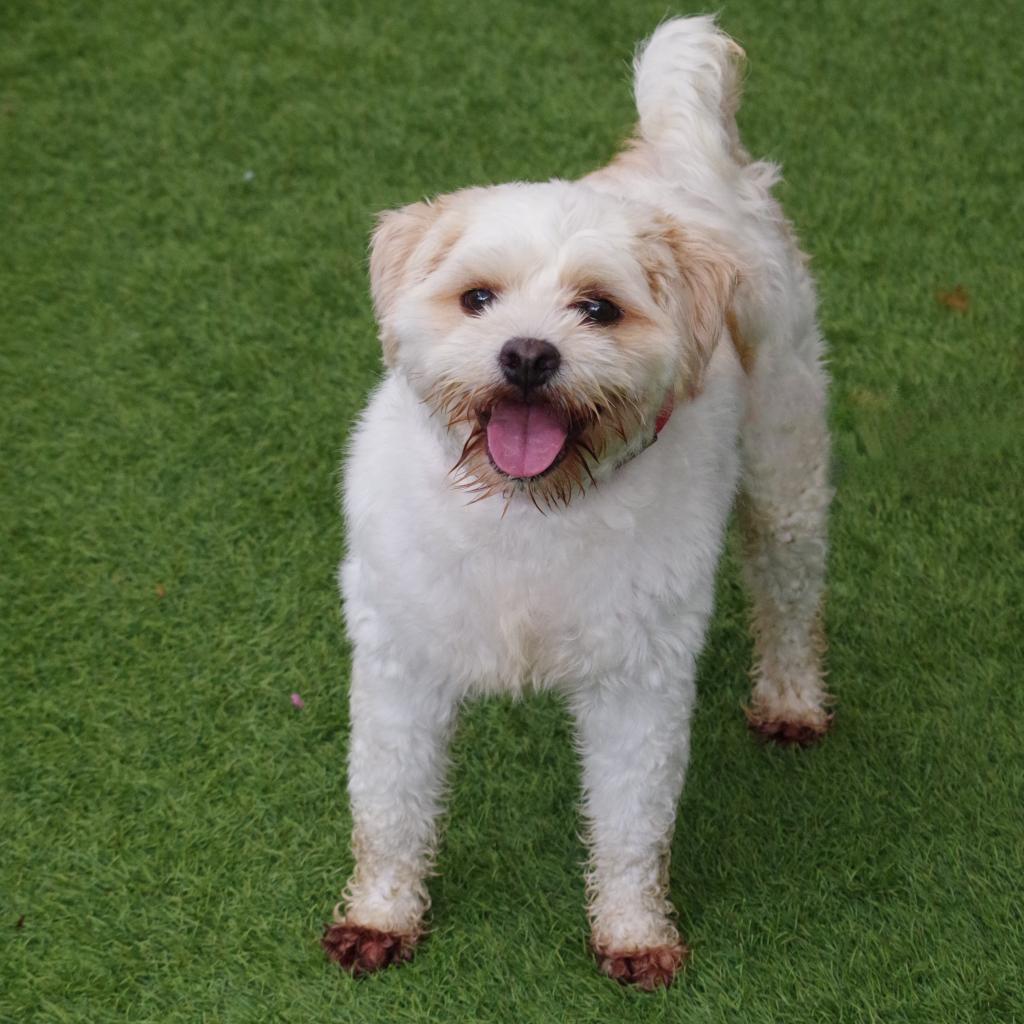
(524, 439)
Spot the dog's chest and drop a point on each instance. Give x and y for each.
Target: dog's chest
(533, 622)
(533, 602)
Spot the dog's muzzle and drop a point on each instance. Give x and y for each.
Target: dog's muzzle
(528, 363)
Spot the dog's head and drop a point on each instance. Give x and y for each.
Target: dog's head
(546, 324)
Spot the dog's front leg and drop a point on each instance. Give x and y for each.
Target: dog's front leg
(634, 737)
(400, 726)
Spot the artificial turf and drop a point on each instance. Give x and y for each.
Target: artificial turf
(185, 338)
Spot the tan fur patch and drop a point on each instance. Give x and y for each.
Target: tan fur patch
(635, 158)
(743, 348)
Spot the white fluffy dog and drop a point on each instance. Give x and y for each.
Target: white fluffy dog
(512, 525)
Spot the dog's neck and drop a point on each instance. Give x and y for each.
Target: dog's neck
(637, 448)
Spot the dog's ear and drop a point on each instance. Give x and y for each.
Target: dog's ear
(709, 274)
(395, 238)
(395, 243)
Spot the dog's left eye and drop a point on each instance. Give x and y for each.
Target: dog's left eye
(599, 311)
(476, 300)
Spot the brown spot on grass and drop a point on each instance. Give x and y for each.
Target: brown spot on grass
(955, 299)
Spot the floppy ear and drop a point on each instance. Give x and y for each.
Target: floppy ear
(709, 274)
(394, 240)
(397, 235)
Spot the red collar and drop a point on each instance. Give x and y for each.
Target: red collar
(665, 413)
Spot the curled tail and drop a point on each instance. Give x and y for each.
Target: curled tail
(687, 81)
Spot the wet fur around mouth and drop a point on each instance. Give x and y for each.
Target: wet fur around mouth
(590, 425)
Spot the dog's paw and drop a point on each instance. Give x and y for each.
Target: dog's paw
(648, 969)
(796, 732)
(360, 950)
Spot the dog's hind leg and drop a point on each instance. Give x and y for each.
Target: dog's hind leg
(783, 514)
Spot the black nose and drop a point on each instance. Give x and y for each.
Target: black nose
(528, 362)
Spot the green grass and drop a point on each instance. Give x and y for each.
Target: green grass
(183, 347)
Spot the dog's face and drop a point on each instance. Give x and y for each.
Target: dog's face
(546, 325)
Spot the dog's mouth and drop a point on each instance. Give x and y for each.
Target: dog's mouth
(525, 440)
(544, 444)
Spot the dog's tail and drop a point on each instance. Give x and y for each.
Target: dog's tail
(687, 81)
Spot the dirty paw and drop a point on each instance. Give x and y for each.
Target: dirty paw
(360, 950)
(796, 733)
(648, 969)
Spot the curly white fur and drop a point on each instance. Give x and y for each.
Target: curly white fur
(606, 595)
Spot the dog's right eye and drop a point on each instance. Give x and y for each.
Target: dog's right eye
(476, 300)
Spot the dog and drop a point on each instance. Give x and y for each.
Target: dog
(581, 376)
